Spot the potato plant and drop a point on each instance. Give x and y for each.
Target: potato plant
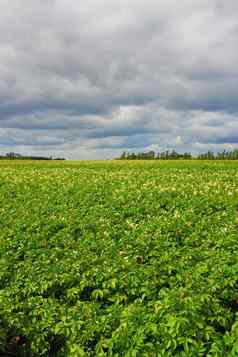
(119, 258)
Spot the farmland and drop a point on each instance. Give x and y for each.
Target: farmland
(119, 258)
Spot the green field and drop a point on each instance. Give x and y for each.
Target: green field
(119, 258)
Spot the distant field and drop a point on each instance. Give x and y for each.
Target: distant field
(118, 258)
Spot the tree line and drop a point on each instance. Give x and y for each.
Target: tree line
(15, 156)
(173, 155)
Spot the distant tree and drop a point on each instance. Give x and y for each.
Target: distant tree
(173, 155)
(187, 155)
(151, 155)
(123, 156)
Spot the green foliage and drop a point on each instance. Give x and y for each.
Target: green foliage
(119, 258)
(173, 155)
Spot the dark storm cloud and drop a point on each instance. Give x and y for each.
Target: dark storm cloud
(88, 80)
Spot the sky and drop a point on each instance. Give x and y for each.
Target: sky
(91, 79)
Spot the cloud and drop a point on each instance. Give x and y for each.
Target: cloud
(89, 80)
